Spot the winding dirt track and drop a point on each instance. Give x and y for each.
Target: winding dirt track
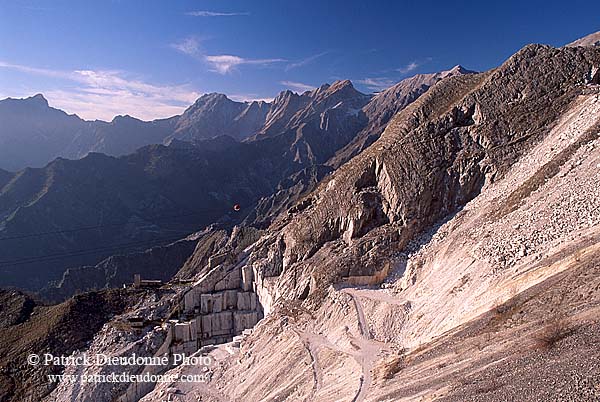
(367, 351)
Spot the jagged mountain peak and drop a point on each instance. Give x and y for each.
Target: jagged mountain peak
(212, 97)
(124, 119)
(214, 114)
(38, 99)
(458, 69)
(290, 109)
(340, 86)
(283, 96)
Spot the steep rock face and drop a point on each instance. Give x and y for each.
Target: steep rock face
(508, 281)
(283, 108)
(289, 110)
(211, 242)
(288, 195)
(432, 158)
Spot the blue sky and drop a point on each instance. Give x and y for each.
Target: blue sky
(151, 59)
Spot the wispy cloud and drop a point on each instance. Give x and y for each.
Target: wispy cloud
(214, 14)
(408, 68)
(189, 46)
(377, 83)
(103, 94)
(36, 70)
(225, 63)
(298, 86)
(220, 63)
(305, 61)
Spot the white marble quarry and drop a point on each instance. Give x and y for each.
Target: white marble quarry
(217, 308)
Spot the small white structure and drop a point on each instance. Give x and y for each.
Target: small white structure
(593, 76)
(138, 282)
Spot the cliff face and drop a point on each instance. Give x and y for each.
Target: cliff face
(433, 157)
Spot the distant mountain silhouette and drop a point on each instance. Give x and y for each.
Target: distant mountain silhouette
(160, 192)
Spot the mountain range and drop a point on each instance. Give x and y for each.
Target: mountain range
(159, 192)
(33, 133)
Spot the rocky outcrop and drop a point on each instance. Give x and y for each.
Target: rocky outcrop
(498, 160)
(15, 308)
(288, 195)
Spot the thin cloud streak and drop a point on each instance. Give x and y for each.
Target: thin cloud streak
(249, 98)
(103, 94)
(225, 63)
(215, 14)
(305, 61)
(298, 86)
(408, 68)
(377, 83)
(220, 63)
